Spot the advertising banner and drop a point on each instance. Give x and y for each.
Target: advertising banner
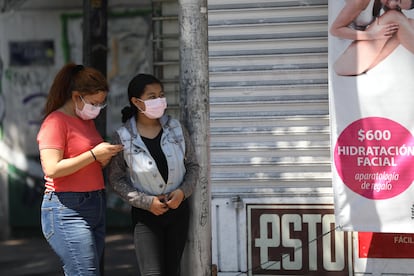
(371, 86)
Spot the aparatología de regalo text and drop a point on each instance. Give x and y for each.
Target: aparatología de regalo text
(374, 157)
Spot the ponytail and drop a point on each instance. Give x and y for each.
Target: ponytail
(70, 78)
(60, 90)
(128, 112)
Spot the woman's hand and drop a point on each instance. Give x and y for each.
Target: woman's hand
(158, 206)
(162, 203)
(175, 198)
(105, 151)
(378, 31)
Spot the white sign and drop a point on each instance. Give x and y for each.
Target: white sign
(371, 106)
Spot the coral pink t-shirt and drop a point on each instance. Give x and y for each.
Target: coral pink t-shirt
(73, 136)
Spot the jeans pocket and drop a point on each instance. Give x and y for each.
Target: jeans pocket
(48, 226)
(72, 200)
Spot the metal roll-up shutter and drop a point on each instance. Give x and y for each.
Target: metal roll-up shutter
(268, 95)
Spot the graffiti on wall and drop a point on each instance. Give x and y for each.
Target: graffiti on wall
(25, 90)
(25, 78)
(129, 53)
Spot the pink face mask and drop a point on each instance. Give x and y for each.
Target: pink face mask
(154, 108)
(89, 111)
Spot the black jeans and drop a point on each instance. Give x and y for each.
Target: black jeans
(160, 240)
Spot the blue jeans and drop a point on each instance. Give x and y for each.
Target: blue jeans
(73, 223)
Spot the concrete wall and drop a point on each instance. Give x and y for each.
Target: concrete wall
(34, 45)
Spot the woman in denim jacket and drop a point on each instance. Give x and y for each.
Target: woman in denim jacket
(155, 174)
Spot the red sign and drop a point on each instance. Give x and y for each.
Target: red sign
(296, 240)
(385, 245)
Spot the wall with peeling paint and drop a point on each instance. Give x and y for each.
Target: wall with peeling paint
(34, 45)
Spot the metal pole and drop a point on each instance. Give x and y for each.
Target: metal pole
(195, 113)
(95, 29)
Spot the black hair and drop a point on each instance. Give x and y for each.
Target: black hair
(136, 88)
(376, 10)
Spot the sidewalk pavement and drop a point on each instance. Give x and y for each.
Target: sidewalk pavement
(33, 256)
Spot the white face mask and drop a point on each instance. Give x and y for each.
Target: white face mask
(89, 111)
(154, 108)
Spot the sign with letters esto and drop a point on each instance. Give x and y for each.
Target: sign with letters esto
(293, 239)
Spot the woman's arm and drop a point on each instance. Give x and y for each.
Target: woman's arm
(191, 176)
(340, 27)
(54, 165)
(405, 32)
(191, 164)
(368, 46)
(119, 180)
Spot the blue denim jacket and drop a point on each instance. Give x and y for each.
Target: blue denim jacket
(133, 173)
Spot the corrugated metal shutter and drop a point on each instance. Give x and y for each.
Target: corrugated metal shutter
(268, 95)
(268, 90)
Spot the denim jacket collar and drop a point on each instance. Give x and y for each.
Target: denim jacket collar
(132, 126)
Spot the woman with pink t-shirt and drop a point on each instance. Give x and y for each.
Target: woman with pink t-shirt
(72, 155)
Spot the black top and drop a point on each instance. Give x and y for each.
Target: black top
(154, 147)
